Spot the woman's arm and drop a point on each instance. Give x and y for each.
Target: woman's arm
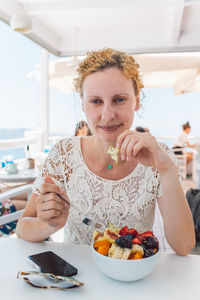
(176, 214)
(190, 145)
(29, 227)
(44, 214)
(178, 221)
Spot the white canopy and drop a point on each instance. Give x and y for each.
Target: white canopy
(72, 27)
(178, 71)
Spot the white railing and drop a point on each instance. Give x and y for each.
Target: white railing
(171, 138)
(16, 143)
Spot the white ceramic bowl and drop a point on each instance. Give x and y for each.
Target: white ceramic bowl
(125, 270)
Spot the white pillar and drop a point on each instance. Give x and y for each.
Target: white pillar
(44, 87)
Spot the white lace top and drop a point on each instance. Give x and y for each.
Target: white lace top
(128, 201)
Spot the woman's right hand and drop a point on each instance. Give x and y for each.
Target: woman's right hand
(51, 208)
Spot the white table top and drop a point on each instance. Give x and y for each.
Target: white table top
(175, 277)
(22, 176)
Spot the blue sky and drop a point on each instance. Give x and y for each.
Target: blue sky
(163, 112)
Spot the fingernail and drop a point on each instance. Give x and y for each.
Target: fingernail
(127, 158)
(62, 191)
(122, 157)
(117, 145)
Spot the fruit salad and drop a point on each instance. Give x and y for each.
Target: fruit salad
(125, 243)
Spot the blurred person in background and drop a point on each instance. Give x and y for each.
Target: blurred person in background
(141, 129)
(182, 142)
(82, 129)
(9, 206)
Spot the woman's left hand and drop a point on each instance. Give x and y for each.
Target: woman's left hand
(143, 148)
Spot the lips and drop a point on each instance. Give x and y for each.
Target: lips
(110, 128)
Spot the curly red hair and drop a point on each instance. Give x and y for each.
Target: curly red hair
(107, 58)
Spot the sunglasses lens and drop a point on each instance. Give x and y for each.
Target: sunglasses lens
(47, 281)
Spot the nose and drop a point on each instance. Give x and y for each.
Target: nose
(108, 112)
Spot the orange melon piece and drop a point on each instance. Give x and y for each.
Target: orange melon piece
(103, 243)
(103, 250)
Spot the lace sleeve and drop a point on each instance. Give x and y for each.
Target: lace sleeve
(173, 157)
(52, 167)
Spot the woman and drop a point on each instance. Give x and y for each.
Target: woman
(182, 142)
(7, 207)
(82, 129)
(125, 194)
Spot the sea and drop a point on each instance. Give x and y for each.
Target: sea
(12, 134)
(17, 153)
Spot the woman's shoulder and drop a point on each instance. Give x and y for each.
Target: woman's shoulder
(69, 140)
(165, 147)
(168, 150)
(67, 144)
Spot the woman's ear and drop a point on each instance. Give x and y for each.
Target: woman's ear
(137, 106)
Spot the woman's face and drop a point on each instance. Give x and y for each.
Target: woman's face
(187, 130)
(109, 102)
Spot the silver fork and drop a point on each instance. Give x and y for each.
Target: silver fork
(84, 219)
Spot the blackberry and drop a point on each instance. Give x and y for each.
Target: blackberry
(124, 242)
(150, 242)
(129, 236)
(148, 252)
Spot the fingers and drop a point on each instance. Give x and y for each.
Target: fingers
(48, 214)
(132, 142)
(122, 136)
(50, 187)
(48, 179)
(50, 206)
(126, 149)
(138, 147)
(51, 197)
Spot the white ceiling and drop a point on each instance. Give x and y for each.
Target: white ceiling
(72, 27)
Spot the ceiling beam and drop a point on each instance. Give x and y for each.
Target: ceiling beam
(60, 6)
(44, 37)
(41, 35)
(178, 17)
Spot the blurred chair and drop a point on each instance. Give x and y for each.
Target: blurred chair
(181, 157)
(12, 193)
(196, 169)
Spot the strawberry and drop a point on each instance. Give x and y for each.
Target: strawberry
(125, 231)
(146, 233)
(132, 231)
(136, 240)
